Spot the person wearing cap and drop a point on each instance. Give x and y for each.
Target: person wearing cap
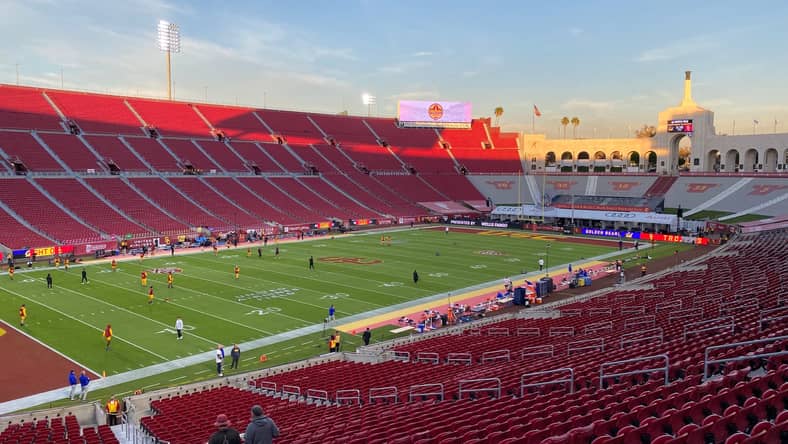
(225, 434)
(262, 429)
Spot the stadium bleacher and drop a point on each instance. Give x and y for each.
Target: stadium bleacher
(494, 384)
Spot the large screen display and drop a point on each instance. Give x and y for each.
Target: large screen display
(432, 113)
(680, 126)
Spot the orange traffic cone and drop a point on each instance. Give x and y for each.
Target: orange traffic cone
(263, 358)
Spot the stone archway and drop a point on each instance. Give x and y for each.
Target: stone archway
(651, 161)
(633, 159)
(732, 161)
(713, 160)
(566, 155)
(770, 158)
(549, 158)
(583, 155)
(751, 159)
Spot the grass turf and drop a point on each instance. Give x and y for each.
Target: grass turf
(273, 295)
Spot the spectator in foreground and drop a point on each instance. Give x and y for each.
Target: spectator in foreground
(262, 429)
(225, 434)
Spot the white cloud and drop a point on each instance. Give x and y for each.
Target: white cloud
(423, 54)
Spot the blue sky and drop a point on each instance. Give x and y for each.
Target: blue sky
(613, 64)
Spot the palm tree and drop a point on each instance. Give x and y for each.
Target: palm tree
(498, 113)
(575, 123)
(564, 123)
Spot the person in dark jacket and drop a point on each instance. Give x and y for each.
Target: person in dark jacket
(415, 277)
(262, 429)
(366, 336)
(235, 353)
(225, 434)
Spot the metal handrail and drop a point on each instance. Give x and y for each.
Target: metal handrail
(562, 331)
(596, 344)
(707, 362)
(571, 312)
(528, 331)
(427, 357)
(666, 368)
(598, 326)
(764, 316)
(668, 305)
(387, 393)
(624, 298)
(498, 331)
(348, 395)
(598, 311)
(633, 309)
(539, 350)
(706, 325)
(642, 336)
(464, 358)
(654, 295)
(684, 314)
(291, 390)
(570, 379)
(414, 391)
(497, 355)
(320, 395)
(641, 321)
(496, 388)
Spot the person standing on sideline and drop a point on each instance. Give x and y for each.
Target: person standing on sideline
(262, 429)
(415, 277)
(541, 264)
(143, 279)
(311, 263)
(113, 409)
(107, 336)
(237, 272)
(620, 245)
(49, 280)
(225, 434)
(259, 252)
(84, 380)
(84, 276)
(72, 381)
(249, 252)
(447, 230)
(169, 279)
(235, 353)
(22, 315)
(276, 252)
(337, 341)
(150, 295)
(179, 327)
(114, 265)
(331, 312)
(332, 343)
(11, 272)
(642, 269)
(172, 250)
(366, 336)
(219, 360)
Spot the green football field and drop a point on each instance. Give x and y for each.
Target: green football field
(273, 295)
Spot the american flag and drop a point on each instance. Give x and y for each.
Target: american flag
(537, 113)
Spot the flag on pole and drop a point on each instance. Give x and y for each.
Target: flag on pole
(537, 113)
(755, 121)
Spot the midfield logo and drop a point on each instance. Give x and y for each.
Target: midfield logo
(623, 186)
(561, 185)
(699, 187)
(501, 184)
(760, 190)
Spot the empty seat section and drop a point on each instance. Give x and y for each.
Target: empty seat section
(26, 108)
(266, 190)
(15, 235)
(402, 137)
(345, 129)
(23, 147)
(73, 152)
(454, 187)
(29, 203)
(136, 206)
(171, 118)
(473, 137)
(218, 204)
(223, 155)
(312, 158)
(294, 126)
(236, 123)
(411, 187)
(234, 191)
(336, 198)
(97, 113)
(283, 156)
(372, 157)
(498, 160)
(187, 153)
(253, 156)
(82, 202)
(160, 192)
(360, 194)
(153, 153)
(426, 160)
(112, 150)
(298, 192)
(390, 195)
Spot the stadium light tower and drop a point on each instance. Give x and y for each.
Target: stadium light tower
(369, 100)
(169, 41)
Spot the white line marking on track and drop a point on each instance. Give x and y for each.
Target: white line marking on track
(149, 386)
(178, 378)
